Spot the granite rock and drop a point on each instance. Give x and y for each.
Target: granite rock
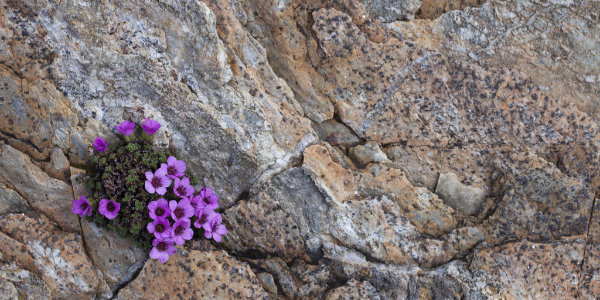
(47, 195)
(466, 199)
(195, 275)
(53, 259)
(11, 201)
(533, 270)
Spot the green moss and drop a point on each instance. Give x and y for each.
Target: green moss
(193, 180)
(102, 162)
(132, 147)
(139, 205)
(134, 230)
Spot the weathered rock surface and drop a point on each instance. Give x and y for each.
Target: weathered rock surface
(47, 195)
(354, 290)
(39, 257)
(465, 199)
(526, 269)
(11, 201)
(195, 275)
(329, 130)
(118, 258)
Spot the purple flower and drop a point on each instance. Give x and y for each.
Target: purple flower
(109, 208)
(162, 249)
(204, 215)
(209, 198)
(182, 188)
(174, 168)
(181, 210)
(213, 228)
(181, 231)
(126, 128)
(160, 227)
(81, 207)
(157, 182)
(197, 203)
(159, 209)
(100, 144)
(150, 126)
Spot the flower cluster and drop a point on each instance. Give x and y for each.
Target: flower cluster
(108, 208)
(199, 208)
(120, 173)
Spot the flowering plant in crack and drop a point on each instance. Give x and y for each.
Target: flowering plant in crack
(147, 194)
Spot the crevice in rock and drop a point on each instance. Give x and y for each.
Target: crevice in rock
(587, 241)
(433, 9)
(11, 139)
(127, 282)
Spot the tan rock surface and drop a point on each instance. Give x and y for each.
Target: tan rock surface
(251, 92)
(47, 195)
(533, 270)
(195, 275)
(56, 257)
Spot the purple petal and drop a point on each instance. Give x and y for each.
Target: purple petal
(171, 249)
(162, 202)
(149, 175)
(154, 253)
(161, 190)
(179, 240)
(217, 237)
(171, 160)
(150, 227)
(165, 181)
(163, 257)
(149, 188)
(185, 181)
(172, 205)
(207, 234)
(102, 206)
(161, 172)
(221, 230)
(180, 166)
(188, 234)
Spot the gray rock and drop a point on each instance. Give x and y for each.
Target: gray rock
(392, 10)
(47, 195)
(466, 199)
(11, 201)
(368, 153)
(59, 164)
(268, 283)
(118, 258)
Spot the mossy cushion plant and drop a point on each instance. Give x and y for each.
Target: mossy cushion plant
(130, 184)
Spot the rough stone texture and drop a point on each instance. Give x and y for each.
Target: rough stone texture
(324, 126)
(539, 271)
(260, 224)
(195, 275)
(118, 258)
(11, 201)
(59, 165)
(56, 257)
(47, 195)
(353, 290)
(427, 212)
(368, 153)
(466, 199)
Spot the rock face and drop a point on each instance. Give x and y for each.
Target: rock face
(38, 257)
(195, 275)
(391, 149)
